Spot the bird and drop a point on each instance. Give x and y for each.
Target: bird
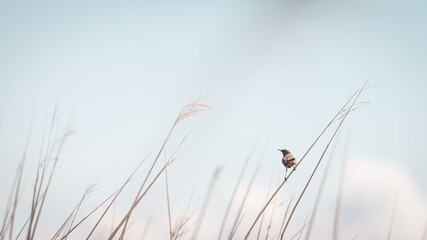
(288, 160)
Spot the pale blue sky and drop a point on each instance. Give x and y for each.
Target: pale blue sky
(277, 70)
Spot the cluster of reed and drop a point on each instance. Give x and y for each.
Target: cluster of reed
(183, 228)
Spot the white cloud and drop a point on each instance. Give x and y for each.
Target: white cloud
(371, 186)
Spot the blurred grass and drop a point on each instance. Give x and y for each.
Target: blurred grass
(184, 226)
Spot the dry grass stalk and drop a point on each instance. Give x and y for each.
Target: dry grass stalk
(237, 226)
(236, 187)
(61, 142)
(205, 203)
(305, 221)
(248, 189)
(115, 194)
(424, 236)
(318, 163)
(138, 200)
(191, 109)
(270, 223)
(87, 193)
(284, 217)
(70, 219)
(90, 213)
(290, 174)
(146, 228)
(47, 168)
(15, 191)
(230, 202)
(5, 222)
(44, 175)
(260, 226)
(242, 204)
(168, 202)
(263, 215)
(392, 217)
(40, 176)
(10, 201)
(171, 233)
(339, 197)
(354, 108)
(9, 204)
(300, 231)
(181, 227)
(61, 228)
(319, 195)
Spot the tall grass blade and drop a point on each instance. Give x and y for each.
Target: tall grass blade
(205, 204)
(318, 163)
(281, 185)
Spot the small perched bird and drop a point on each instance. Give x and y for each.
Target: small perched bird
(288, 160)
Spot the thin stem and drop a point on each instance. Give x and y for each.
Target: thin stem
(18, 180)
(148, 175)
(269, 224)
(305, 221)
(146, 228)
(38, 185)
(260, 226)
(284, 181)
(424, 236)
(302, 229)
(117, 193)
(242, 204)
(138, 200)
(392, 217)
(168, 202)
(237, 226)
(61, 145)
(339, 197)
(190, 109)
(284, 218)
(230, 202)
(205, 204)
(319, 195)
(318, 163)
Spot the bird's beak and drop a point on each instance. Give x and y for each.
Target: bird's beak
(279, 149)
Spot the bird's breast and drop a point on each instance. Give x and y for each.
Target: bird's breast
(288, 163)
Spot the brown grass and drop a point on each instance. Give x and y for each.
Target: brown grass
(319, 195)
(299, 233)
(290, 174)
(168, 203)
(146, 228)
(183, 223)
(205, 203)
(320, 160)
(392, 217)
(284, 217)
(115, 194)
(339, 197)
(236, 187)
(241, 206)
(424, 235)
